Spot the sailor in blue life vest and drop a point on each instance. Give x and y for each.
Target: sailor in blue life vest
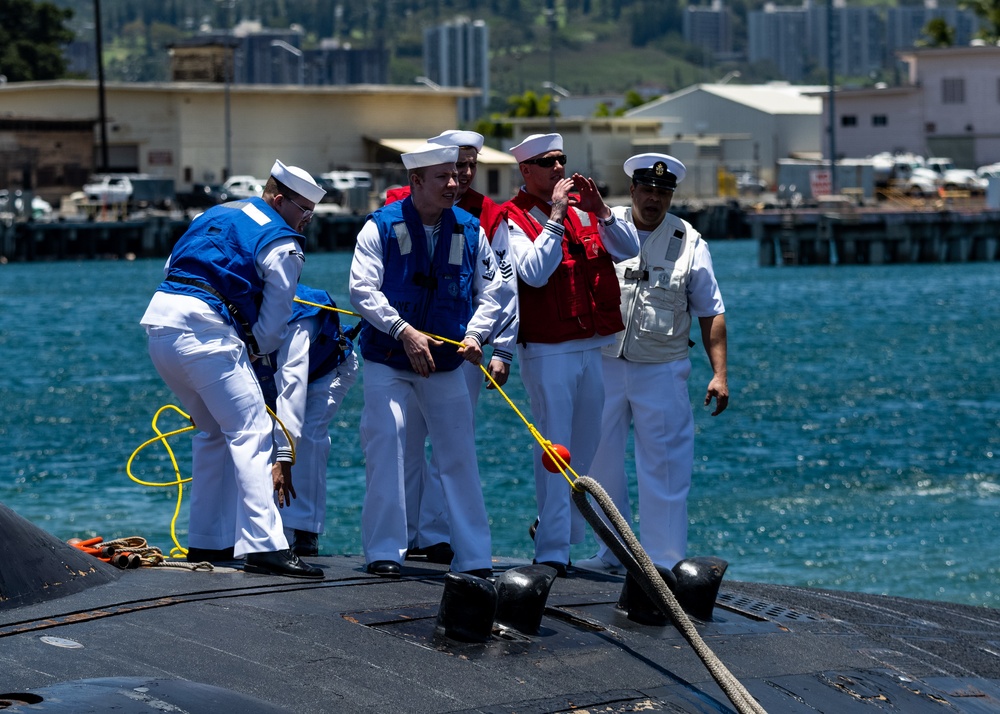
(226, 300)
(646, 368)
(421, 264)
(427, 522)
(316, 367)
(565, 241)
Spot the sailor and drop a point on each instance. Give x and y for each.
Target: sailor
(564, 247)
(316, 367)
(225, 301)
(429, 535)
(421, 264)
(646, 368)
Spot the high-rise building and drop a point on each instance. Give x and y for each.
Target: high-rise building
(456, 54)
(709, 27)
(780, 34)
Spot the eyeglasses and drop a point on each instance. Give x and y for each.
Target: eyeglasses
(547, 162)
(307, 213)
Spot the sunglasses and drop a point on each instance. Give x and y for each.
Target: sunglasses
(547, 162)
(307, 214)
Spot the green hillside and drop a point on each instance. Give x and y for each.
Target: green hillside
(595, 46)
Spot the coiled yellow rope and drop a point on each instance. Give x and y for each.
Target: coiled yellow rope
(179, 551)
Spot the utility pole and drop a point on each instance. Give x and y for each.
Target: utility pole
(102, 111)
(831, 75)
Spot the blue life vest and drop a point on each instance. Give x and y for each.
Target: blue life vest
(215, 260)
(433, 293)
(331, 346)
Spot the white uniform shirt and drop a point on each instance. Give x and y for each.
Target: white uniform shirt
(504, 334)
(367, 273)
(536, 261)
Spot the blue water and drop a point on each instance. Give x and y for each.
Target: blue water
(859, 451)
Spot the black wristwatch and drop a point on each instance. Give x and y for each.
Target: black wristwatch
(610, 220)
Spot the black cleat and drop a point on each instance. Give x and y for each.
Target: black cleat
(280, 562)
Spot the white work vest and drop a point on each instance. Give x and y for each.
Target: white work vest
(654, 295)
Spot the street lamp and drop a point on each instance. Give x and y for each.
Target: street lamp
(557, 92)
(295, 51)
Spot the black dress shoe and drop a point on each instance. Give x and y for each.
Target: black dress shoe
(210, 555)
(306, 543)
(440, 553)
(484, 573)
(560, 568)
(280, 562)
(384, 568)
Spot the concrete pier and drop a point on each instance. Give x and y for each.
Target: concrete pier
(875, 237)
(149, 237)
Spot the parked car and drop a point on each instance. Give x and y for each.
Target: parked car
(109, 189)
(749, 185)
(236, 187)
(940, 165)
(921, 183)
(13, 202)
(965, 179)
(989, 171)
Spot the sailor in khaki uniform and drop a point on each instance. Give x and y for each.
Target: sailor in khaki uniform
(647, 367)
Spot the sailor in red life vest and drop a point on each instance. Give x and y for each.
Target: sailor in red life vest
(421, 264)
(647, 367)
(565, 248)
(429, 534)
(225, 301)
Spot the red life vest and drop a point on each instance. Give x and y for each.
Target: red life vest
(582, 297)
(490, 215)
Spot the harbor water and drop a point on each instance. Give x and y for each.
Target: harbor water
(859, 451)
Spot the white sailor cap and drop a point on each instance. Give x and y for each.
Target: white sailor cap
(298, 180)
(657, 170)
(454, 137)
(430, 155)
(536, 145)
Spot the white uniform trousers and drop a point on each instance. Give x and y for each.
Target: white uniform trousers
(426, 516)
(567, 396)
(654, 397)
(307, 511)
(232, 494)
(443, 401)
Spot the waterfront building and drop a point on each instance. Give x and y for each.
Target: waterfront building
(777, 120)
(179, 130)
(944, 109)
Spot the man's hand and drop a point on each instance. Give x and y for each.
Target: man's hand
(471, 351)
(500, 371)
(718, 389)
(281, 477)
(417, 346)
(560, 199)
(590, 198)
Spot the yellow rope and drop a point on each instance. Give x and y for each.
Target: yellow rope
(564, 467)
(179, 551)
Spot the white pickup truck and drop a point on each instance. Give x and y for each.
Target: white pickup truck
(109, 189)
